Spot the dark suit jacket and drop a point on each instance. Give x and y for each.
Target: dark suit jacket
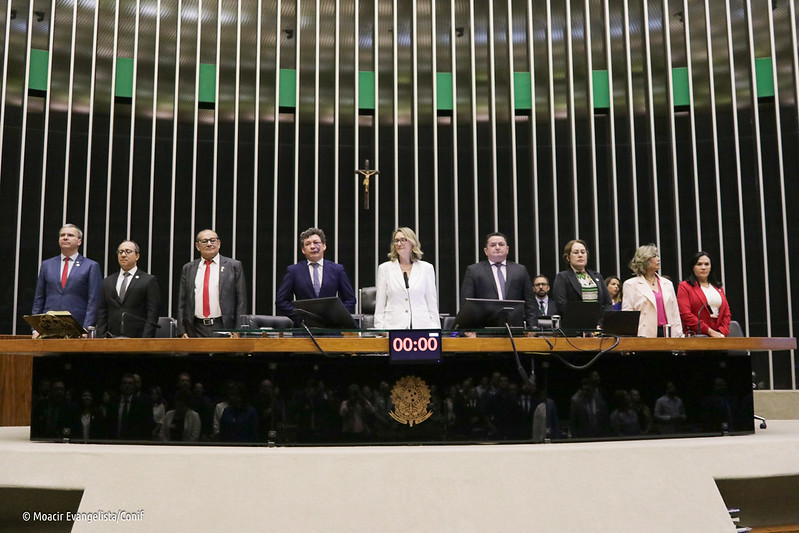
(140, 422)
(479, 283)
(141, 301)
(79, 296)
(567, 289)
(232, 294)
(297, 284)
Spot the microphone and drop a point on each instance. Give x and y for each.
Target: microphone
(410, 307)
(126, 314)
(699, 318)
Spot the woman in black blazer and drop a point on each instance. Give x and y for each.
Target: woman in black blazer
(578, 283)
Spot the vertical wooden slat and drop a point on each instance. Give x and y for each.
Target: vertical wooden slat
(533, 136)
(672, 134)
(276, 149)
(784, 212)
(454, 128)
(133, 118)
(70, 94)
(236, 127)
(759, 166)
(21, 176)
(715, 143)
(572, 121)
(111, 121)
(46, 133)
(156, 70)
(736, 140)
(631, 123)
(173, 197)
(256, 166)
(552, 138)
(651, 115)
(492, 106)
(612, 126)
(473, 88)
(592, 130)
(692, 114)
(513, 162)
(415, 113)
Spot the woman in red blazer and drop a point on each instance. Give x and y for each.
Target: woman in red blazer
(703, 305)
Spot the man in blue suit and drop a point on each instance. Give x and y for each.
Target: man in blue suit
(69, 281)
(314, 277)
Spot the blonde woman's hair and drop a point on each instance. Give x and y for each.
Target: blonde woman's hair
(639, 264)
(416, 249)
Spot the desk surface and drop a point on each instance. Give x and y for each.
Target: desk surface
(354, 344)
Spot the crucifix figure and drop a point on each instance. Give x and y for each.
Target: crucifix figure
(367, 174)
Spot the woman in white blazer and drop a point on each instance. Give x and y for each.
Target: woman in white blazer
(182, 417)
(651, 294)
(406, 287)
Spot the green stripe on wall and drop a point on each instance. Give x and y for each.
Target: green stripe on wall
(366, 89)
(288, 87)
(38, 70)
(679, 91)
(765, 81)
(444, 87)
(206, 92)
(124, 84)
(522, 87)
(601, 89)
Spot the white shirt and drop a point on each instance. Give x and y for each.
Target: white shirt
(213, 289)
(713, 299)
(122, 277)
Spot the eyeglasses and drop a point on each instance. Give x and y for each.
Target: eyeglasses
(541, 284)
(401, 240)
(126, 252)
(208, 241)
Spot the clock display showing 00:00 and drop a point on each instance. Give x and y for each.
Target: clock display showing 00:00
(423, 344)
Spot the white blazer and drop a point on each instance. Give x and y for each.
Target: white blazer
(191, 425)
(639, 296)
(393, 310)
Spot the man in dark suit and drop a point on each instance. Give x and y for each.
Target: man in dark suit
(546, 305)
(500, 279)
(132, 417)
(213, 293)
(314, 277)
(130, 298)
(69, 282)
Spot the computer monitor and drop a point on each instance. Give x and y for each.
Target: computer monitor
(479, 313)
(621, 323)
(577, 315)
(324, 313)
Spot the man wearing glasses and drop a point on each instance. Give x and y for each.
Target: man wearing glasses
(130, 298)
(546, 305)
(314, 277)
(213, 293)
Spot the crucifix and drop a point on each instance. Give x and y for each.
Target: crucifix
(367, 174)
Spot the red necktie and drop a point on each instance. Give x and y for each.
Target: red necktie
(206, 298)
(65, 272)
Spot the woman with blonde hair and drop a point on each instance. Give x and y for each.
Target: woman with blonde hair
(406, 287)
(651, 294)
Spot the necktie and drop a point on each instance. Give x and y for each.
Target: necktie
(206, 297)
(541, 307)
(124, 287)
(65, 272)
(316, 285)
(501, 278)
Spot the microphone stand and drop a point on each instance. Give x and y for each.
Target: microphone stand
(699, 318)
(408, 291)
(122, 322)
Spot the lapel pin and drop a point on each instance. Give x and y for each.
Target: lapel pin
(221, 269)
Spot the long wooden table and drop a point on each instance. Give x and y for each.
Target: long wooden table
(17, 353)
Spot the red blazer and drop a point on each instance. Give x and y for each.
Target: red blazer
(691, 299)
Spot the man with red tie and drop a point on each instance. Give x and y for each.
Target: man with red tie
(69, 281)
(213, 293)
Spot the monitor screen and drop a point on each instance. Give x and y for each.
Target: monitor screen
(479, 313)
(324, 313)
(578, 315)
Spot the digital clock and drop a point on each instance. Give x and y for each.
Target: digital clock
(415, 346)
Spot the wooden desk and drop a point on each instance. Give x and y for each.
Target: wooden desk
(17, 353)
